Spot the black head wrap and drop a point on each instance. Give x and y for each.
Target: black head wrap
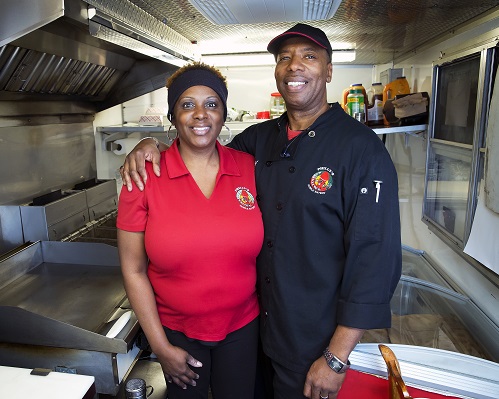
(196, 77)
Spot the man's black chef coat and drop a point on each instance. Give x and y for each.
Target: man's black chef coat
(332, 250)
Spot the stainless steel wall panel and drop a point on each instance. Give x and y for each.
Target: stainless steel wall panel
(46, 158)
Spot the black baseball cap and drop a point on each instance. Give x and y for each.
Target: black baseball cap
(314, 34)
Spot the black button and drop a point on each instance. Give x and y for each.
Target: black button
(268, 163)
(270, 243)
(258, 198)
(292, 169)
(279, 206)
(267, 280)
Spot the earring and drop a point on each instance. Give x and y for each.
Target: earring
(168, 134)
(225, 140)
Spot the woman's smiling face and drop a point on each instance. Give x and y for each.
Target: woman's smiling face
(198, 117)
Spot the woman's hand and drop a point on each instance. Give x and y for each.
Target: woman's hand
(134, 167)
(175, 363)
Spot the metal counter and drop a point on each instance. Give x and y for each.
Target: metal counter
(58, 300)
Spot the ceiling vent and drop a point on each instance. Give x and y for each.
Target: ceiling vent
(125, 24)
(226, 12)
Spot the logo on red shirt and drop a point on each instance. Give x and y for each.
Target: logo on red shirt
(245, 198)
(321, 181)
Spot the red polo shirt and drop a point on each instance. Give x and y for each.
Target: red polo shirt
(202, 252)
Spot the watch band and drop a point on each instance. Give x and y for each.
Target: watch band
(334, 363)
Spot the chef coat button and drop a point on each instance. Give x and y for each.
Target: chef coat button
(266, 314)
(311, 134)
(292, 169)
(268, 163)
(279, 206)
(267, 280)
(270, 243)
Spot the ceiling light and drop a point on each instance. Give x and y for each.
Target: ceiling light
(343, 56)
(226, 12)
(260, 59)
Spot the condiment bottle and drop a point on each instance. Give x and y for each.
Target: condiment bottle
(392, 89)
(375, 108)
(277, 105)
(346, 92)
(356, 105)
(398, 86)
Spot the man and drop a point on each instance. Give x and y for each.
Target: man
(328, 193)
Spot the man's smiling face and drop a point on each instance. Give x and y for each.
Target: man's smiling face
(301, 73)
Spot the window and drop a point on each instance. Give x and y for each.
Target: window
(456, 150)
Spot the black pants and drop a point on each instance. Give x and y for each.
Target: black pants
(229, 366)
(275, 381)
(288, 384)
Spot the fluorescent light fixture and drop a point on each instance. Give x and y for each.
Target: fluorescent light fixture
(343, 56)
(232, 60)
(261, 59)
(227, 12)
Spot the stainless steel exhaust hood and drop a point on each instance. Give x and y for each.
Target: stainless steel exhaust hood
(103, 52)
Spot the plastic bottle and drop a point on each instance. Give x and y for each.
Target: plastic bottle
(398, 86)
(375, 107)
(277, 105)
(355, 105)
(346, 92)
(344, 96)
(392, 89)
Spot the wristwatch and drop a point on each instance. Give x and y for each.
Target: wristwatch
(336, 364)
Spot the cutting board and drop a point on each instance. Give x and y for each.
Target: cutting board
(18, 383)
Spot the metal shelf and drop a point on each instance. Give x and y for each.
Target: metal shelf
(131, 129)
(412, 130)
(119, 132)
(113, 133)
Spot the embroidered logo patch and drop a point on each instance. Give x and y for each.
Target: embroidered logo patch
(245, 198)
(321, 181)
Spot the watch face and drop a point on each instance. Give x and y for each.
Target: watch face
(337, 366)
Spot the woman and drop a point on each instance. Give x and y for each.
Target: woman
(188, 245)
